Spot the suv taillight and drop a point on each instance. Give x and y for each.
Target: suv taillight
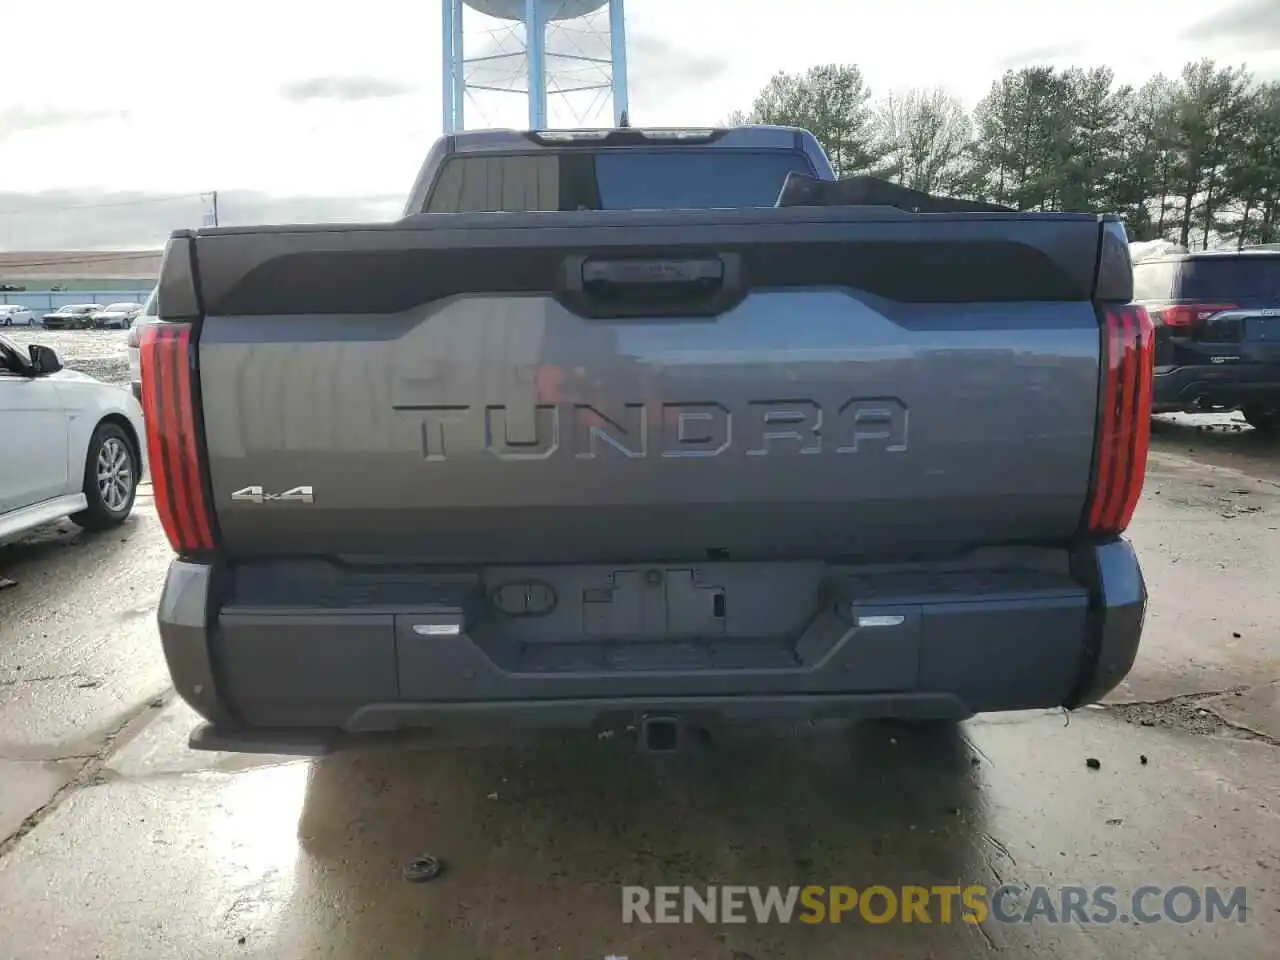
(1197, 320)
(1124, 419)
(168, 408)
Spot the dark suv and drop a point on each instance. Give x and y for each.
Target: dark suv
(1217, 320)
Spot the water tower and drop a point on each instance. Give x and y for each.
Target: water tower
(570, 52)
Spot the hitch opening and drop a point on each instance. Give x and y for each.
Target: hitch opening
(660, 734)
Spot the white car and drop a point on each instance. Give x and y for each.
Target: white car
(116, 316)
(147, 315)
(16, 315)
(70, 445)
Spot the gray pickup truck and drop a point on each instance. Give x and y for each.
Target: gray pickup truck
(604, 432)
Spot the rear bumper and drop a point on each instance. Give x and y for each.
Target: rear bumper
(1219, 385)
(296, 681)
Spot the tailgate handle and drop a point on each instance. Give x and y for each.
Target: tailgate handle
(602, 276)
(652, 286)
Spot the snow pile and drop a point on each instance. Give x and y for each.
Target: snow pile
(1147, 249)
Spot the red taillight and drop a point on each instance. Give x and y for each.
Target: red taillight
(1124, 423)
(169, 410)
(1187, 315)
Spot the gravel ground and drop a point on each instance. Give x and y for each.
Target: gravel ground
(99, 353)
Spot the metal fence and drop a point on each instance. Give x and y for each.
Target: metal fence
(43, 301)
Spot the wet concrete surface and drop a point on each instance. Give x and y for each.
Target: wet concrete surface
(1209, 540)
(27, 786)
(78, 649)
(304, 859)
(1254, 710)
(116, 841)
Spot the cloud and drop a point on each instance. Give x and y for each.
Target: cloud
(351, 89)
(1250, 25)
(111, 220)
(659, 69)
(17, 120)
(1048, 54)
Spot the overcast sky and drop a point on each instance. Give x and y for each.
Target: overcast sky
(300, 111)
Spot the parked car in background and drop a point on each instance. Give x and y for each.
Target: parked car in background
(73, 316)
(146, 316)
(116, 316)
(70, 445)
(1217, 325)
(15, 315)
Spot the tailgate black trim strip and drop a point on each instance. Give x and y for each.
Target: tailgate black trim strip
(392, 281)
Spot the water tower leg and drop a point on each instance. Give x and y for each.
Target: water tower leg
(536, 43)
(618, 43)
(448, 48)
(459, 69)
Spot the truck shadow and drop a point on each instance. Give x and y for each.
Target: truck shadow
(538, 841)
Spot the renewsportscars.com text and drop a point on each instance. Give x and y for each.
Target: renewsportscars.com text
(935, 904)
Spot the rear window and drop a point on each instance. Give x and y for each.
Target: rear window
(683, 179)
(1250, 277)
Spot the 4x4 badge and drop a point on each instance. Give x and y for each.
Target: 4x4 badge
(255, 495)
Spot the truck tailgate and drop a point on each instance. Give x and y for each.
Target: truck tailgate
(791, 383)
